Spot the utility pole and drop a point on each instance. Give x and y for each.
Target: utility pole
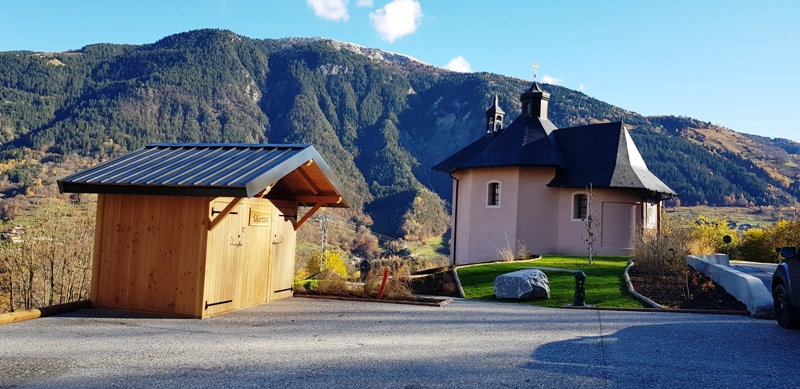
(323, 232)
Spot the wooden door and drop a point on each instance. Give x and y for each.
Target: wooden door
(257, 252)
(223, 266)
(282, 257)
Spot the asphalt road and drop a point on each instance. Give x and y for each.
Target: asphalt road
(762, 271)
(306, 343)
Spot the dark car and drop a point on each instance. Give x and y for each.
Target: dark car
(786, 289)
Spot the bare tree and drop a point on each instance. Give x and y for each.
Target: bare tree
(50, 261)
(591, 225)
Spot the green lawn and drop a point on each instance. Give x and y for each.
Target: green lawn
(437, 245)
(605, 281)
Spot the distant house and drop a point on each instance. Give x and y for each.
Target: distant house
(528, 183)
(13, 235)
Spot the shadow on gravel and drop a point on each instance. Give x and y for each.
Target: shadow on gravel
(95, 313)
(715, 354)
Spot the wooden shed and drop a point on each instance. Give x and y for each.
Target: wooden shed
(200, 229)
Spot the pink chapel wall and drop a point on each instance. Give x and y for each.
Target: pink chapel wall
(620, 213)
(538, 216)
(483, 230)
(538, 210)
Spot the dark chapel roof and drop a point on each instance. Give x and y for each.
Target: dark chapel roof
(528, 141)
(600, 155)
(604, 156)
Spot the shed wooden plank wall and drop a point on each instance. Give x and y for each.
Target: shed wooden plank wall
(150, 253)
(156, 254)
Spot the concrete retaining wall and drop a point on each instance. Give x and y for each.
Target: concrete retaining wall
(720, 259)
(746, 288)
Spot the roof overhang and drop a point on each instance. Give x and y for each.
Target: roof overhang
(273, 171)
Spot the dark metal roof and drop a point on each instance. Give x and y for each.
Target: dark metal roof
(526, 142)
(217, 170)
(535, 89)
(603, 156)
(600, 155)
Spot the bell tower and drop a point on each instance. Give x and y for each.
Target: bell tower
(494, 119)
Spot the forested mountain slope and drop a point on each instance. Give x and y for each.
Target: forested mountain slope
(381, 120)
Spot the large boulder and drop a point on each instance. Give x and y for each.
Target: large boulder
(522, 284)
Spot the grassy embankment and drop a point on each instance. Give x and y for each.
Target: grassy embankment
(605, 282)
(740, 215)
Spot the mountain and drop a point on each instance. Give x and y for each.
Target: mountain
(380, 119)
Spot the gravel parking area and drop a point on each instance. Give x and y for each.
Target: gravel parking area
(307, 343)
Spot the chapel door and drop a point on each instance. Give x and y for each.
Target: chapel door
(618, 225)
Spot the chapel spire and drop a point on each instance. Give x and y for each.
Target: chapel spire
(534, 100)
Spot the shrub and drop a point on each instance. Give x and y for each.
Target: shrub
(332, 284)
(756, 247)
(759, 244)
(397, 285)
(334, 262)
(786, 233)
(705, 236)
(513, 251)
(301, 274)
(662, 253)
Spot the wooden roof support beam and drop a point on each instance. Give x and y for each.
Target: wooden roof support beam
(319, 199)
(308, 214)
(224, 213)
(264, 192)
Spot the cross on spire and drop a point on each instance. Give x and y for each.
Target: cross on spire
(535, 68)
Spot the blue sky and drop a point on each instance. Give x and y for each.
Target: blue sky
(732, 63)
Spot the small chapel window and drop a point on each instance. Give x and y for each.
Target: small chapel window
(493, 196)
(579, 205)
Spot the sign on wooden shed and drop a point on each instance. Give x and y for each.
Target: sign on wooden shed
(200, 229)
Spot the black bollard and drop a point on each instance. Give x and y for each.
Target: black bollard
(580, 289)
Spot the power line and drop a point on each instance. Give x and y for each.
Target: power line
(323, 229)
(354, 228)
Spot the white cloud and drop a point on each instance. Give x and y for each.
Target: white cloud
(550, 80)
(364, 3)
(459, 64)
(335, 10)
(397, 19)
(581, 86)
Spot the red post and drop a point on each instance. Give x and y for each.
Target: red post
(383, 283)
